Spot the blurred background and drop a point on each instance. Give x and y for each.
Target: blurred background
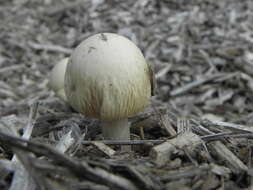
(202, 50)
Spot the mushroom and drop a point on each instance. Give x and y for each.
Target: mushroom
(56, 79)
(108, 78)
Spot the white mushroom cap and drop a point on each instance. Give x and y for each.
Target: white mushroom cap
(108, 78)
(56, 80)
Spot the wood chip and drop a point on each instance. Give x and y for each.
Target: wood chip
(162, 153)
(234, 163)
(103, 148)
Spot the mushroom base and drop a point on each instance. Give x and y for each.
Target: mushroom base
(116, 130)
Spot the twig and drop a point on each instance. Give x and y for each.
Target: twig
(80, 169)
(27, 175)
(226, 125)
(11, 68)
(144, 181)
(236, 165)
(206, 138)
(222, 152)
(208, 60)
(21, 177)
(160, 74)
(217, 136)
(164, 119)
(167, 124)
(64, 7)
(7, 93)
(50, 47)
(195, 83)
(186, 172)
(89, 185)
(196, 171)
(133, 142)
(226, 77)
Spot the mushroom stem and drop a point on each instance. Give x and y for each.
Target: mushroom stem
(116, 130)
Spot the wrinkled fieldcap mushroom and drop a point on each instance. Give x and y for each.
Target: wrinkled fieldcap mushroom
(108, 78)
(56, 80)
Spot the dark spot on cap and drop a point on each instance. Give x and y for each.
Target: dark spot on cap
(90, 49)
(103, 37)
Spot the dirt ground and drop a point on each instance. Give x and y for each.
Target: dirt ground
(197, 132)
